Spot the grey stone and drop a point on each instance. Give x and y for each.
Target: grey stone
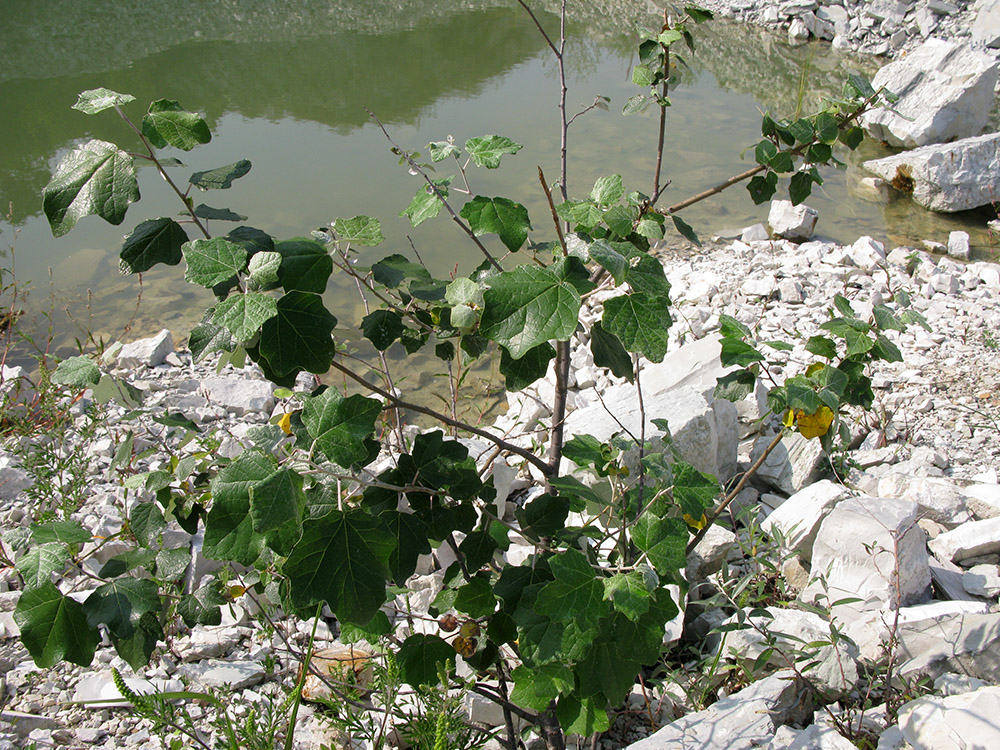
(755, 233)
(813, 737)
(941, 637)
(952, 177)
(99, 691)
(870, 549)
(240, 396)
(866, 253)
(710, 553)
(13, 479)
(982, 580)
(792, 222)
(793, 464)
(983, 499)
(149, 352)
(945, 92)
(971, 539)
(236, 675)
(207, 642)
(956, 722)
(744, 720)
(797, 520)
(986, 27)
(958, 245)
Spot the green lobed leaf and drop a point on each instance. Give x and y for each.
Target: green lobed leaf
(635, 105)
(299, 336)
(608, 190)
(79, 372)
(211, 262)
(852, 137)
(735, 386)
(738, 352)
(441, 150)
(799, 187)
(536, 688)
(582, 716)
(361, 230)
(664, 541)
(341, 426)
(120, 603)
(764, 152)
(476, 598)
(426, 204)
(373, 631)
(54, 628)
(243, 314)
(276, 501)
(421, 658)
(341, 559)
(642, 76)
(208, 338)
(629, 593)
(96, 178)
(146, 521)
(263, 269)
(520, 373)
(67, 532)
(153, 241)
(575, 595)
(645, 274)
(40, 562)
(167, 123)
(821, 346)
(641, 322)
(229, 532)
(763, 187)
(500, 216)
(203, 606)
(97, 100)
(305, 265)
(411, 537)
(486, 151)
(827, 127)
(545, 515)
(621, 219)
(220, 178)
(609, 258)
(584, 215)
(382, 328)
(527, 307)
(694, 491)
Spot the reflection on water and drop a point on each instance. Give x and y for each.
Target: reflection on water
(285, 85)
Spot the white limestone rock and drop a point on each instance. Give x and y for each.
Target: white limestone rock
(986, 27)
(239, 395)
(813, 737)
(99, 691)
(951, 177)
(958, 245)
(13, 479)
(945, 92)
(797, 520)
(792, 222)
(871, 549)
(956, 722)
(971, 539)
(793, 464)
(982, 580)
(149, 352)
(983, 499)
(949, 637)
(741, 721)
(233, 675)
(866, 253)
(710, 553)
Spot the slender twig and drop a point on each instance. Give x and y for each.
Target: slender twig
(555, 216)
(663, 113)
(437, 191)
(724, 503)
(445, 419)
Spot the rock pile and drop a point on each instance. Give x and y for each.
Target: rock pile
(906, 548)
(881, 27)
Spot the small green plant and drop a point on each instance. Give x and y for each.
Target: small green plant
(557, 641)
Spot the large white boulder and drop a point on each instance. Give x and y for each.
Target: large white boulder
(986, 27)
(971, 539)
(870, 548)
(953, 177)
(945, 92)
(795, 463)
(149, 351)
(797, 520)
(956, 722)
(240, 395)
(792, 222)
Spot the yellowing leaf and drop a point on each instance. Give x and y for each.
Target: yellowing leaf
(285, 423)
(816, 424)
(789, 419)
(236, 591)
(464, 646)
(699, 524)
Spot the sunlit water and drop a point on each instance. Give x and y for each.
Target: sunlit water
(286, 84)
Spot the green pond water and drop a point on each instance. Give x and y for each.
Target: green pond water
(285, 84)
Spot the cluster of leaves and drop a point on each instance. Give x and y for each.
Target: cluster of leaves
(810, 139)
(813, 402)
(572, 625)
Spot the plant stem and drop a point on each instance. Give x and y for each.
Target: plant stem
(399, 403)
(663, 114)
(724, 503)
